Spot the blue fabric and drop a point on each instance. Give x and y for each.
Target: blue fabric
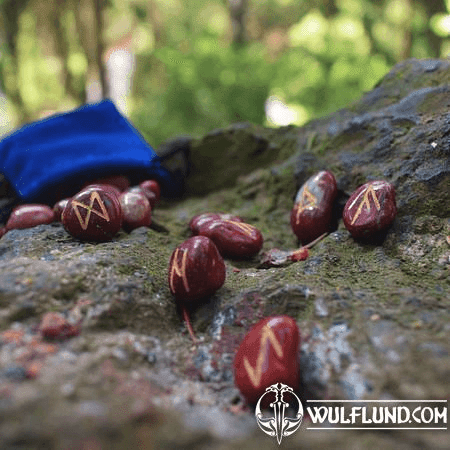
(52, 158)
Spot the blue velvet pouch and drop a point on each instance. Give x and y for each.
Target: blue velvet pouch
(52, 158)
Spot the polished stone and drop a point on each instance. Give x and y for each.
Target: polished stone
(30, 215)
(136, 210)
(150, 195)
(151, 186)
(121, 182)
(312, 211)
(201, 220)
(268, 354)
(58, 208)
(94, 214)
(196, 269)
(370, 209)
(234, 239)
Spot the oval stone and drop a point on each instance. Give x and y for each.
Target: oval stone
(268, 354)
(136, 210)
(370, 209)
(233, 238)
(312, 211)
(94, 214)
(201, 220)
(104, 186)
(30, 215)
(121, 182)
(196, 269)
(150, 195)
(58, 208)
(151, 186)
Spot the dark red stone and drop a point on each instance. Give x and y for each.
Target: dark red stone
(311, 214)
(196, 269)
(152, 186)
(104, 186)
(136, 210)
(150, 195)
(370, 209)
(121, 182)
(30, 215)
(55, 326)
(58, 208)
(201, 220)
(233, 238)
(268, 354)
(3, 230)
(94, 214)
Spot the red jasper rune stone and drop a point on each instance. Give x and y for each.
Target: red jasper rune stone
(58, 208)
(311, 214)
(106, 187)
(196, 269)
(121, 182)
(201, 220)
(268, 354)
(233, 238)
(30, 215)
(370, 209)
(136, 210)
(151, 186)
(94, 214)
(150, 195)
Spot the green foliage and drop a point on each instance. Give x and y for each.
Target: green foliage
(310, 57)
(207, 87)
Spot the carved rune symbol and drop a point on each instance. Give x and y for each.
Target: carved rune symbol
(365, 202)
(255, 373)
(307, 201)
(180, 271)
(245, 227)
(94, 197)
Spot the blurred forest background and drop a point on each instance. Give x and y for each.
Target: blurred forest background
(189, 66)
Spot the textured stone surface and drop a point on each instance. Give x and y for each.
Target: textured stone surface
(374, 318)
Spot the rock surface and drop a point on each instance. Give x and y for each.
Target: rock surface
(374, 318)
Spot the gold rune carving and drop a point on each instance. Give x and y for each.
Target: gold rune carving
(94, 197)
(308, 200)
(180, 271)
(365, 202)
(245, 227)
(255, 373)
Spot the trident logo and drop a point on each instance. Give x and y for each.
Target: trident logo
(279, 425)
